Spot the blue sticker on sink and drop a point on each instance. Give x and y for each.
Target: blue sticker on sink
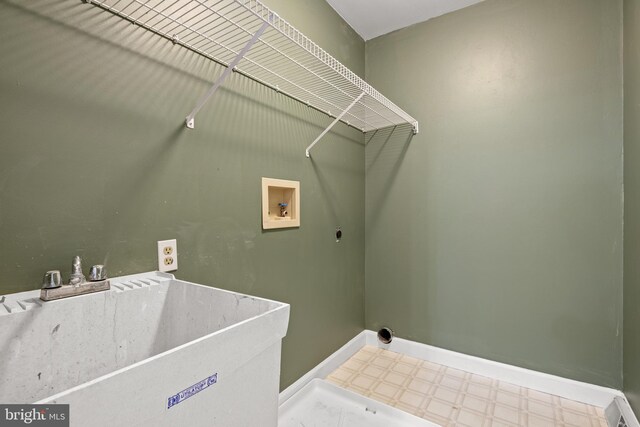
(191, 391)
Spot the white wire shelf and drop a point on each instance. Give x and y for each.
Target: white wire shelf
(247, 37)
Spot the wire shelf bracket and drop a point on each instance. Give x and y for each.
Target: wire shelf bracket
(246, 37)
(190, 120)
(340, 116)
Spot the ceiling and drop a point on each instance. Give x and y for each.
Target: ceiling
(373, 18)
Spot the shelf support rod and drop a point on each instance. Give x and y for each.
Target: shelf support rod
(190, 120)
(346, 110)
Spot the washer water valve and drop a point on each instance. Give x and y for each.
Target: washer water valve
(283, 209)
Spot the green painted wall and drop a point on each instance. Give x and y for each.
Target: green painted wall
(497, 231)
(632, 202)
(95, 160)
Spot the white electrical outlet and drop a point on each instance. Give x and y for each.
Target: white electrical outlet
(167, 255)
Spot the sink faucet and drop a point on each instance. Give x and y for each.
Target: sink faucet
(52, 287)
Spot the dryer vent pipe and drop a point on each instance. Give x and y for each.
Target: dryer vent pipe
(385, 335)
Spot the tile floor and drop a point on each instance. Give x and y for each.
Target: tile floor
(451, 397)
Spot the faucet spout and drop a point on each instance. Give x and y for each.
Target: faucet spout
(77, 276)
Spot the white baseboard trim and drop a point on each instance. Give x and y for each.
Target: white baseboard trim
(552, 384)
(327, 366)
(563, 387)
(629, 415)
(620, 407)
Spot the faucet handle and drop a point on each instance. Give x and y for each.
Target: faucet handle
(97, 273)
(52, 279)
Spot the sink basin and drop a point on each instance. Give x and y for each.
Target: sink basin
(153, 350)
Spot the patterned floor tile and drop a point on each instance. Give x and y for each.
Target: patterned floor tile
(452, 397)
